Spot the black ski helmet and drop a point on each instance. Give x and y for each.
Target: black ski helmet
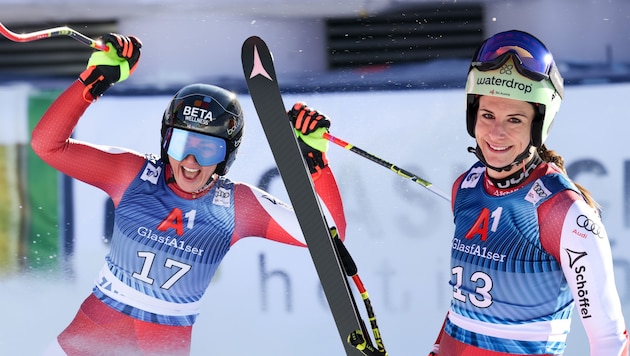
(209, 110)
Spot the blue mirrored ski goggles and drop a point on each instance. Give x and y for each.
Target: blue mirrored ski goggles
(208, 150)
(531, 57)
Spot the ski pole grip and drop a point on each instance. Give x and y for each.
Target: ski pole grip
(346, 259)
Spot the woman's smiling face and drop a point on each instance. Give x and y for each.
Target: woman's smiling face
(503, 131)
(189, 174)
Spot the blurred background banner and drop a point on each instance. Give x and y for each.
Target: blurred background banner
(13, 140)
(32, 228)
(398, 232)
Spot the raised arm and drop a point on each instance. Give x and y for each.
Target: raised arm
(108, 168)
(276, 220)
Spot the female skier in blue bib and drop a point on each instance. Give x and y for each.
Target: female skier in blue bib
(176, 215)
(529, 249)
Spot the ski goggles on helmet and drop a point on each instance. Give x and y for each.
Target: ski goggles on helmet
(531, 57)
(208, 150)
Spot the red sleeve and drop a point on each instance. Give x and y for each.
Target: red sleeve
(456, 185)
(551, 216)
(328, 191)
(95, 165)
(257, 213)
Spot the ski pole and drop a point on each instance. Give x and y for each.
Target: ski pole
(400, 171)
(357, 338)
(52, 32)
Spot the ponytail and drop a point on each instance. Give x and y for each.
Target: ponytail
(552, 157)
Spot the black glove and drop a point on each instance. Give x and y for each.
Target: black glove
(106, 68)
(310, 126)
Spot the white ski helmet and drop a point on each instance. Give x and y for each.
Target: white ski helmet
(515, 65)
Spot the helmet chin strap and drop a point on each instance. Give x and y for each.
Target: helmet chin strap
(518, 160)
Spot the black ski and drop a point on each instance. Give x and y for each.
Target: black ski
(265, 93)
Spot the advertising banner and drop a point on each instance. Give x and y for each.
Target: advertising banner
(266, 298)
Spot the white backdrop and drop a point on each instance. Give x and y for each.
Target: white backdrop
(265, 298)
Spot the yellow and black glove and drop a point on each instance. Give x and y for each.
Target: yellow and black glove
(106, 68)
(310, 126)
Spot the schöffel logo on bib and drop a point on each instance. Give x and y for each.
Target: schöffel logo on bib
(509, 83)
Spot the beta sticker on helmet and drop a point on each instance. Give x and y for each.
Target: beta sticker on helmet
(197, 115)
(207, 150)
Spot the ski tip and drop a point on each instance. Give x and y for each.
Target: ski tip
(253, 41)
(257, 60)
